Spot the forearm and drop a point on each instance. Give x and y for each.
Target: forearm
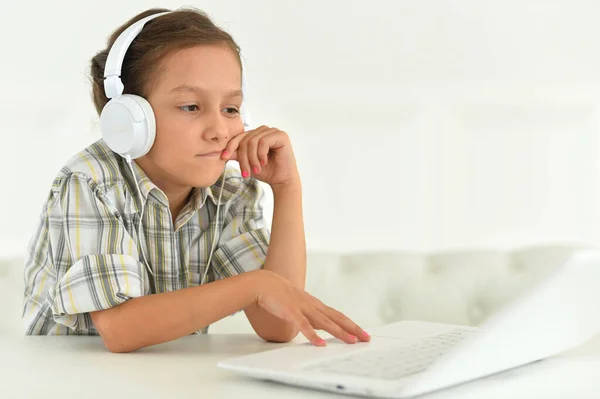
(287, 246)
(287, 257)
(158, 318)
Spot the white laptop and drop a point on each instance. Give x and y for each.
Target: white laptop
(410, 358)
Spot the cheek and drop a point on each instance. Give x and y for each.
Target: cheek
(171, 142)
(236, 130)
(235, 127)
(172, 131)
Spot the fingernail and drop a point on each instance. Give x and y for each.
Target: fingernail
(225, 153)
(244, 174)
(322, 341)
(255, 169)
(364, 333)
(262, 162)
(352, 337)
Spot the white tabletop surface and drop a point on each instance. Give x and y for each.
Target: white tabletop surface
(49, 367)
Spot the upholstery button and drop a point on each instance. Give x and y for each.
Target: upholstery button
(388, 313)
(518, 266)
(434, 268)
(476, 314)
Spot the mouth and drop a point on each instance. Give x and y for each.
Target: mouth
(214, 154)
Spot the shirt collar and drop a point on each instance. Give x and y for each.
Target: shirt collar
(149, 189)
(145, 184)
(228, 183)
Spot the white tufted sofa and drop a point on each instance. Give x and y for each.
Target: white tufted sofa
(461, 287)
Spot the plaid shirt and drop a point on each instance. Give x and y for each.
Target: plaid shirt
(85, 255)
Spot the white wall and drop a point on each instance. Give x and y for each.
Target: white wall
(417, 124)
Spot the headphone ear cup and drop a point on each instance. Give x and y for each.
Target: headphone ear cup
(147, 140)
(128, 125)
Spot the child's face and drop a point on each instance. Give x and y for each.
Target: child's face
(196, 100)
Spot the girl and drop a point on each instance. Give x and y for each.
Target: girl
(123, 249)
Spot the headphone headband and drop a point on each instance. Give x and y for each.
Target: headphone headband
(113, 87)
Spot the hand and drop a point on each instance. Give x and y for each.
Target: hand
(279, 297)
(265, 153)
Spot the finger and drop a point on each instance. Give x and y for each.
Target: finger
(307, 330)
(242, 157)
(230, 151)
(269, 139)
(322, 322)
(253, 153)
(261, 139)
(263, 152)
(344, 322)
(249, 162)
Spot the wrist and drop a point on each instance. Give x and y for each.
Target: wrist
(291, 186)
(256, 283)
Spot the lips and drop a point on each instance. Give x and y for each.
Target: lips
(211, 154)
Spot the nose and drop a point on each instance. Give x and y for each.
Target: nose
(215, 128)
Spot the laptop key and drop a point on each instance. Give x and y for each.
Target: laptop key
(393, 362)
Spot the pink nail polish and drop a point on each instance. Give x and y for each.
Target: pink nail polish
(322, 342)
(255, 169)
(244, 174)
(225, 153)
(262, 162)
(364, 333)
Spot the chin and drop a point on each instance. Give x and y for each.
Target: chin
(204, 178)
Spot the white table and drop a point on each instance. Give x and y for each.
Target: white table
(80, 367)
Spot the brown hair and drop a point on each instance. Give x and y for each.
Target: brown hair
(182, 28)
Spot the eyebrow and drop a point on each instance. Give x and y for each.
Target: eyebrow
(232, 93)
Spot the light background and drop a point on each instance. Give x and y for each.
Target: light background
(420, 125)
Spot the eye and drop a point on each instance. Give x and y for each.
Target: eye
(231, 110)
(185, 108)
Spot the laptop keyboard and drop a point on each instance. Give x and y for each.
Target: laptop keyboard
(396, 361)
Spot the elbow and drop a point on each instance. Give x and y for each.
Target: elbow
(116, 346)
(282, 335)
(115, 338)
(279, 340)
(115, 342)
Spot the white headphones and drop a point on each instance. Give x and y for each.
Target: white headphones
(127, 121)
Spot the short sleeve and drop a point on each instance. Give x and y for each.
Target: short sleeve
(82, 259)
(244, 239)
